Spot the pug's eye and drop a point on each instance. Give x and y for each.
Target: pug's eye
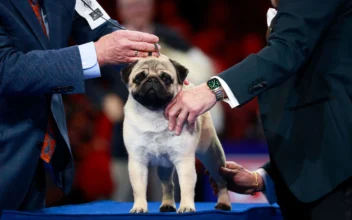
(139, 78)
(166, 78)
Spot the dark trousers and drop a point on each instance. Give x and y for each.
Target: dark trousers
(35, 198)
(337, 205)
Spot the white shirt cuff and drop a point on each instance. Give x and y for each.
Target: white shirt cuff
(89, 60)
(231, 99)
(270, 15)
(269, 188)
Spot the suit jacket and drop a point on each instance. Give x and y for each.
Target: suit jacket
(303, 80)
(31, 69)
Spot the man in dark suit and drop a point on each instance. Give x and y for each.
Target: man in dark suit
(303, 80)
(36, 67)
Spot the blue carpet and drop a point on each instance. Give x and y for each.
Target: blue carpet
(108, 210)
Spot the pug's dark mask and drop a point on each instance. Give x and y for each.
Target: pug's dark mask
(153, 82)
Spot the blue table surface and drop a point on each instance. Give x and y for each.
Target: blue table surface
(118, 208)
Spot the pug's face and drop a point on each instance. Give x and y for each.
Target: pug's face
(154, 82)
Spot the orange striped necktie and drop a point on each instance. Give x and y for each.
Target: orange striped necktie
(49, 143)
(36, 9)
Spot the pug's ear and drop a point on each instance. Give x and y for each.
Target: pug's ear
(126, 72)
(181, 71)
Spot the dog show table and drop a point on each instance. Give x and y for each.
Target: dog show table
(108, 210)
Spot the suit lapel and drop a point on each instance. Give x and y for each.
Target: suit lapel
(53, 17)
(23, 6)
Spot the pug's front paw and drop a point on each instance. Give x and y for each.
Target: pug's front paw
(184, 209)
(139, 209)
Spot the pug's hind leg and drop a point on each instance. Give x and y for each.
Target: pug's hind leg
(187, 176)
(167, 184)
(139, 180)
(213, 158)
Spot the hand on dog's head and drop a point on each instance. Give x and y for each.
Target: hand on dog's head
(154, 82)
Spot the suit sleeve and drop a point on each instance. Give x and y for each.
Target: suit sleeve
(38, 72)
(299, 26)
(267, 167)
(268, 176)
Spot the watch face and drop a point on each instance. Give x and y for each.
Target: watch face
(214, 83)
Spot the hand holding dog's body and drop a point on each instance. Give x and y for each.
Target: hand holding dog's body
(239, 179)
(188, 105)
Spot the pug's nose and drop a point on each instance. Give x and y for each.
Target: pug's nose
(153, 80)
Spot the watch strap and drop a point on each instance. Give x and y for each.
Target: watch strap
(219, 94)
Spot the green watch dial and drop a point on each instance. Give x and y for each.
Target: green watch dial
(214, 83)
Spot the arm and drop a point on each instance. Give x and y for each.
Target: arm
(84, 35)
(243, 181)
(299, 25)
(27, 74)
(63, 71)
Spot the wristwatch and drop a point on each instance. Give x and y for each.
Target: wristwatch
(215, 86)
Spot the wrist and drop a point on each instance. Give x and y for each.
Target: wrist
(215, 87)
(100, 57)
(210, 92)
(258, 183)
(261, 185)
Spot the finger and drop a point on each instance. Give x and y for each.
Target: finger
(143, 47)
(232, 165)
(142, 37)
(191, 127)
(225, 172)
(132, 59)
(155, 54)
(137, 53)
(141, 54)
(157, 47)
(168, 107)
(186, 82)
(192, 117)
(181, 120)
(173, 112)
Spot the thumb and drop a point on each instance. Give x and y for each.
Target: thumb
(186, 82)
(226, 172)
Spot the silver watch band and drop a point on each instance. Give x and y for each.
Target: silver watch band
(219, 94)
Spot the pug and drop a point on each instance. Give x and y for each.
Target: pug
(153, 83)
